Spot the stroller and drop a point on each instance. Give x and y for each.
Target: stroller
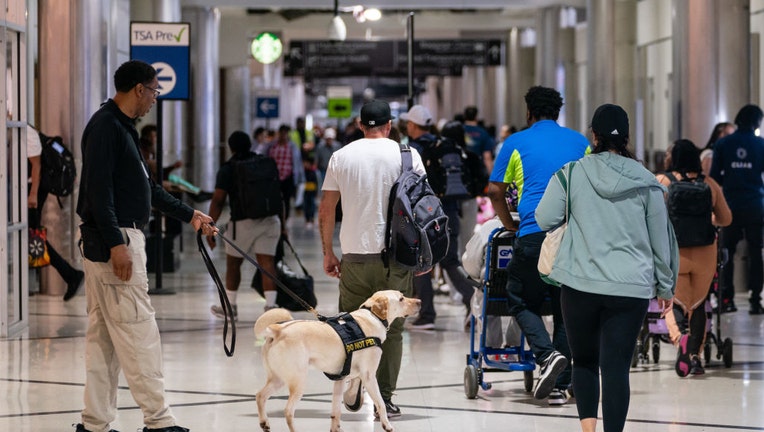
(654, 329)
(481, 357)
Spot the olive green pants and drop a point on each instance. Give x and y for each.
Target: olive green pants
(358, 282)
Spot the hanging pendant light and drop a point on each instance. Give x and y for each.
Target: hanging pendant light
(337, 30)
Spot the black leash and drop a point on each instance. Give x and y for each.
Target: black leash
(280, 284)
(226, 305)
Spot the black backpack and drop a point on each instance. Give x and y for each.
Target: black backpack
(57, 166)
(453, 171)
(258, 190)
(416, 235)
(690, 207)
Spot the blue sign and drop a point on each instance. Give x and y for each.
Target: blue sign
(165, 46)
(505, 256)
(267, 107)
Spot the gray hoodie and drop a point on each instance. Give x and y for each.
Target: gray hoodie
(619, 239)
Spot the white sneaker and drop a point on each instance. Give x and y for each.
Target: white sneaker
(218, 312)
(558, 397)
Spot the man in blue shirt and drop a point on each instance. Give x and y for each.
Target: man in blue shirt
(738, 166)
(529, 159)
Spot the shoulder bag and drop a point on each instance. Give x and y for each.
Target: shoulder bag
(551, 244)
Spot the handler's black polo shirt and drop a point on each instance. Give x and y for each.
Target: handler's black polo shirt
(115, 188)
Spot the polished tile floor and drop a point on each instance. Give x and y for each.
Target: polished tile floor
(42, 373)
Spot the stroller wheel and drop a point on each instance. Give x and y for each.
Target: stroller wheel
(470, 382)
(707, 352)
(656, 349)
(727, 352)
(528, 380)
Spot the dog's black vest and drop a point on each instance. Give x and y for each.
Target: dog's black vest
(353, 338)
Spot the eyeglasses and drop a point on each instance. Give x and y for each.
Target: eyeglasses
(155, 90)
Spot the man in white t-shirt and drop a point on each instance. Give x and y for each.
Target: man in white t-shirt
(38, 192)
(362, 173)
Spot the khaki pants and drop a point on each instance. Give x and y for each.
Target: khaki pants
(122, 335)
(358, 282)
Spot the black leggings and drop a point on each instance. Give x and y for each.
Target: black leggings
(697, 326)
(602, 333)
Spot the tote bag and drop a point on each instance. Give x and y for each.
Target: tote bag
(38, 247)
(551, 244)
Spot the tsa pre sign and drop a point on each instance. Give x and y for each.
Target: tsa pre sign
(166, 46)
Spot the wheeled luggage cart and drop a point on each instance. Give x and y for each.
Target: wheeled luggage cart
(481, 358)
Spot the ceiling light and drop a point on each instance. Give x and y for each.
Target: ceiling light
(337, 30)
(372, 14)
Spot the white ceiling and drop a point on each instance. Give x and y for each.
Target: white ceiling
(385, 4)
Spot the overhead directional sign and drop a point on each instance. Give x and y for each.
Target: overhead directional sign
(267, 107)
(166, 46)
(439, 57)
(339, 101)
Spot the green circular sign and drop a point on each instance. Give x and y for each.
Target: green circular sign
(266, 48)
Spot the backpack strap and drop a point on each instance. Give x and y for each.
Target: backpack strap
(669, 175)
(406, 159)
(673, 178)
(564, 180)
(406, 165)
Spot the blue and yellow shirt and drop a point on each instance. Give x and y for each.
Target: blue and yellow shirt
(530, 158)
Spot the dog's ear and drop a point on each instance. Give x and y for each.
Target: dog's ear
(379, 307)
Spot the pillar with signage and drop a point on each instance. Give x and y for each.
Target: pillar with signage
(166, 46)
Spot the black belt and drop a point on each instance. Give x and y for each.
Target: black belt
(136, 225)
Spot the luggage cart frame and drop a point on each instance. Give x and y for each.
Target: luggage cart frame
(486, 359)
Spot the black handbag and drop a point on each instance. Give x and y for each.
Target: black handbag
(301, 285)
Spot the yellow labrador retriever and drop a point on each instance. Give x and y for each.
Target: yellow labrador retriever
(291, 346)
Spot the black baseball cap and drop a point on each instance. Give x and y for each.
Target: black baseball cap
(375, 113)
(610, 120)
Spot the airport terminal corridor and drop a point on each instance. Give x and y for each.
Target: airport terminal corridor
(42, 373)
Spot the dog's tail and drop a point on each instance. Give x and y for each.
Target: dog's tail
(272, 316)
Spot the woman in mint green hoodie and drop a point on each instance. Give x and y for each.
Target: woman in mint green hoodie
(618, 252)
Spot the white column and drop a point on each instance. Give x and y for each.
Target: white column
(174, 134)
(695, 74)
(203, 118)
(601, 49)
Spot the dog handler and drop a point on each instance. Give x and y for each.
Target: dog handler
(363, 173)
(115, 199)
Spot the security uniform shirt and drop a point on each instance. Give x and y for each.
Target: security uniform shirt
(115, 188)
(737, 166)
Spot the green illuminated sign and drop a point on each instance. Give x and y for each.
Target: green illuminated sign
(266, 48)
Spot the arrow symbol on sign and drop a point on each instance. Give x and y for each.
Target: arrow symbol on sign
(165, 77)
(267, 107)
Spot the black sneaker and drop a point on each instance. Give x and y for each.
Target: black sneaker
(167, 429)
(696, 368)
(729, 306)
(550, 368)
(558, 396)
(74, 285)
(392, 409)
(353, 396)
(756, 309)
(81, 428)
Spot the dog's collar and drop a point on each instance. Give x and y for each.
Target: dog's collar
(384, 321)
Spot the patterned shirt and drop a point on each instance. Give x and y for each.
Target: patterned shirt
(282, 153)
